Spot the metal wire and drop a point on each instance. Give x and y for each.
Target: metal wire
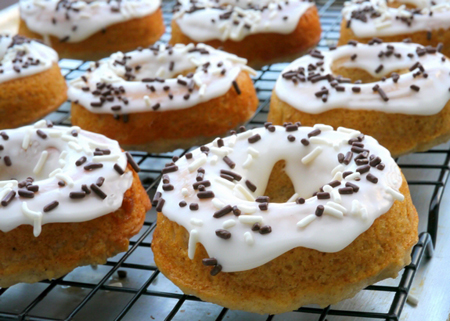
(37, 307)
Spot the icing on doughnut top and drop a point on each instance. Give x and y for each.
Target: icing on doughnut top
(375, 19)
(205, 20)
(22, 57)
(414, 80)
(76, 20)
(217, 192)
(59, 175)
(158, 78)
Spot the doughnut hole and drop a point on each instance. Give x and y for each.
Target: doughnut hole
(355, 74)
(279, 187)
(26, 160)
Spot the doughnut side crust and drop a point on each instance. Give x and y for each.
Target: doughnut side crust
(61, 247)
(298, 277)
(27, 99)
(165, 131)
(421, 37)
(406, 134)
(123, 36)
(265, 48)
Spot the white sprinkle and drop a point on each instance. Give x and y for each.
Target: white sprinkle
(55, 133)
(225, 182)
(214, 159)
(338, 168)
(338, 207)
(147, 101)
(66, 178)
(40, 124)
(353, 133)
(248, 237)
(244, 192)
(63, 155)
(56, 171)
(320, 140)
(355, 208)
(26, 140)
(232, 140)
(160, 72)
(250, 219)
(293, 198)
(202, 90)
(94, 144)
(244, 135)
(11, 181)
(218, 204)
(306, 221)
(62, 162)
(106, 158)
(197, 222)
(312, 156)
(69, 138)
(222, 152)
(5, 190)
(411, 299)
(40, 164)
(75, 146)
(199, 161)
(353, 176)
(364, 213)
(184, 191)
(248, 162)
(397, 195)
(337, 176)
(193, 239)
(253, 152)
(251, 71)
(333, 212)
(35, 216)
(229, 223)
(247, 209)
(323, 127)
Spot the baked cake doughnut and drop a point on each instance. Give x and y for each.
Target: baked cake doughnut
(396, 92)
(263, 31)
(31, 84)
(424, 22)
(336, 216)
(92, 29)
(162, 98)
(68, 198)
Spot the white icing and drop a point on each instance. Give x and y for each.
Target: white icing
(173, 61)
(429, 100)
(387, 24)
(49, 18)
(44, 154)
(293, 225)
(207, 21)
(33, 57)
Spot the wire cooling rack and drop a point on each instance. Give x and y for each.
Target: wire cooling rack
(130, 287)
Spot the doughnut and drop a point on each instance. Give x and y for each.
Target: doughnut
(275, 218)
(68, 198)
(424, 22)
(264, 32)
(31, 84)
(163, 97)
(391, 91)
(92, 29)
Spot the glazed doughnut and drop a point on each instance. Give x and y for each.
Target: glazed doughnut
(31, 84)
(392, 91)
(162, 98)
(265, 31)
(92, 29)
(427, 25)
(68, 198)
(342, 218)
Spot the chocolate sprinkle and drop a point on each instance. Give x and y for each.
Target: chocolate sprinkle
(223, 234)
(229, 162)
(98, 191)
(8, 198)
(193, 206)
(216, 270)
(205, 194)
(223, 211)
(81, 161)
(250, 185)
(319, 210)
(51, 206)
(209, 261)
(371, 178)
(133, 164)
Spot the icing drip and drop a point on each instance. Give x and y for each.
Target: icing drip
(207, 20)
(152, 79)
(58, 175)
(308, 84)
(22, 57)
(76, 20)
(376, 19)
(353, 178)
